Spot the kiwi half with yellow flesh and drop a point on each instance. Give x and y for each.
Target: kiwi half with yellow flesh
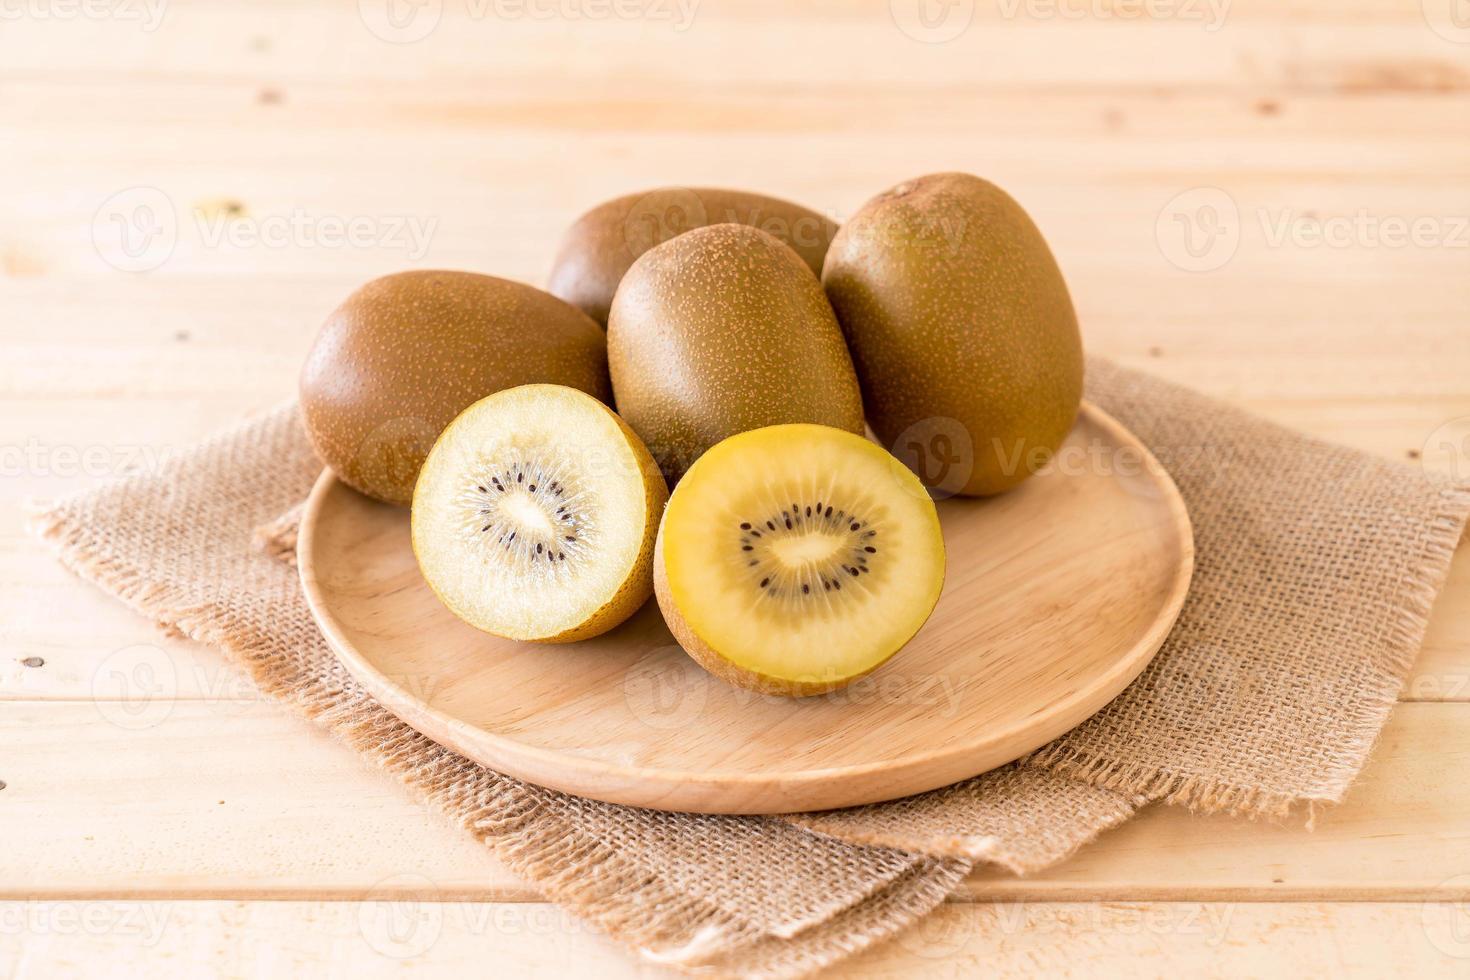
(795, 558)
(535, 516)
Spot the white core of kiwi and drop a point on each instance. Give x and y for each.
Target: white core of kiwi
(529, 512)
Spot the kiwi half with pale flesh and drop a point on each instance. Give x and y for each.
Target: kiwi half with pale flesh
(535, 514)
(793, 559)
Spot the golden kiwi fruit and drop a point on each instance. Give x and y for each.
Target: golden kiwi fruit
(603, 243)
(721, 330)
(793, 559)
(535, 516)
(405, 354)
(961, 329)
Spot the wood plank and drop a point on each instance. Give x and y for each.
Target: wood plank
(149, 797)
(124, 800)
(410, 939)
(1403, 832)
(1363, 47)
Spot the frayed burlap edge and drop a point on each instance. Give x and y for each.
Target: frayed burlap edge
(583, 873)
(1425, 579)
(853, 931)
(974, 848)
(277, 539)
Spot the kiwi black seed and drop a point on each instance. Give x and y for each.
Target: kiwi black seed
(772, 577)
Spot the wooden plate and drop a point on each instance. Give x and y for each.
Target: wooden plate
(1057, 596)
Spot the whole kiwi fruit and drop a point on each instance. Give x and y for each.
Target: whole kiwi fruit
(603, 243)
(961, 329)
(405, 354)
(722, 330)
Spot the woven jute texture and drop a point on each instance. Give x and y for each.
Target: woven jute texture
(1316, 568)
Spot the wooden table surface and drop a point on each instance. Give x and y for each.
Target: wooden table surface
(1267, 200)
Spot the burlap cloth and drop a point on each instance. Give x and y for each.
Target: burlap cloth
(1316, 568)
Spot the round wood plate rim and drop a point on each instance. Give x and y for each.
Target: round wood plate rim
(514, 757)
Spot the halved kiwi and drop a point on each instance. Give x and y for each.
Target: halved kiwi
(535, 514)
(793, 559)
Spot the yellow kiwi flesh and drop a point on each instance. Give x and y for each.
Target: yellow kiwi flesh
(794, 559)
(599, 247)
(722, 330)
(961, 329)
(535, 516)
(405, 354)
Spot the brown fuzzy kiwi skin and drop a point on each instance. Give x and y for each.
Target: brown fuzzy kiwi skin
(406, 353)
(722, 330)
(954, 309)
(637, 586)
(603, 243)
